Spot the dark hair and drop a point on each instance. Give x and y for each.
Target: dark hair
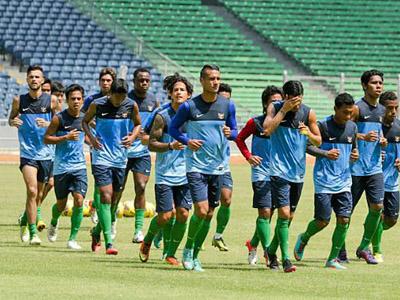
(33, 68)
(293, 88)
(366, 76)
(267, 93)
(387, 96)
(224, 87)
(208, 67)
(169, 83)
(140, 70)
(57, 87)
(119, 86)
(47, 80)
(74, 87)
(343, 99)
(108, 71)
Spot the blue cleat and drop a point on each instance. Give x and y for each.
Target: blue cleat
(299, 248)
(334, 264)
(197, 265)
(187, 260)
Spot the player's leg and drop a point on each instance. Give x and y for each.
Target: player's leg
(61, 189)
(47, 188)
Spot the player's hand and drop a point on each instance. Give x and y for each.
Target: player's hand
(397, 164)
(227, 131)
(303, 128)
(333, 154)
(383, 141)
(354, 154)
(289, 105)
(95, 143)
(144, 137)
(127, 141)
(40, 122)
(371, 136)
(254, 160)
(195, 145)
(175, 145)
(16, 122)
(73, 135)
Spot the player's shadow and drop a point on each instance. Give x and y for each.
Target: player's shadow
(8, 225)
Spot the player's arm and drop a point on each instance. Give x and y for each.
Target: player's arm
(247, 130)
(354, 155)
(230, 127)
(50, 138)
(314, 135)
(156, 133)
(135, 117)
(89, 115)
(13, 119)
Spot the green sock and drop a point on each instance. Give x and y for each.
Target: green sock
(38, 214)
(177, 233)
(273, 246)
(96, 197)
(32, 230)
(377, 238)
(55, 215)
(114, 208)
(370, 225)
(76, 220)
(311, 230)
(154, 228)
(97, 229)
(223, 215)
(139, 219)
(24, 219)
(167, 231)
(283, 236)
(255, 240)
(200, 237)
(104, 213)
(263, 231)
(194, 227)
(338, 238)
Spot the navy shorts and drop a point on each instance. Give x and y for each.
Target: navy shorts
(285, 193)
(391, 205)
(372, 185)
(104, 175)
(341, 204)
(140, 165)
(262, 194)
(205, 187)
(70, 182)
(44, 167)
(227, 182)
(168, 197)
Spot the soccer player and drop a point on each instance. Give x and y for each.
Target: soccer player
(210, 121)
(31, 114)
(332, 179)
(224, 211)
(258, 159)
(367, 170)
(46, 86)
(65, 131)
(117, 126)
(391, 165)
(171, 187)
(139, 161)
(289, 124)
(58, 90)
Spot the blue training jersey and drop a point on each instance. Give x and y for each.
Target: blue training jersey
(112, 125)
(288, 146)
(150, 119)
(30, 135)
(334, 176)
(146, 106)
(390, 172)
(260, 146)
(170, 165)
(69, 154)
(370, 118)
(204, 121)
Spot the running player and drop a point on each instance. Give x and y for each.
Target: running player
(65, 131)
(224, 211)
(31, 114)
(171, 187)
(332, 179)
(210, 121)
(289, 124)
(367, 170)
(114, 134)
(391, 165)
(258, 159)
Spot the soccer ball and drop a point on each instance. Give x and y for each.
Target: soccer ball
(120, 210)
(86, 208)
(68, 208)
(129, 208)
(150, 210)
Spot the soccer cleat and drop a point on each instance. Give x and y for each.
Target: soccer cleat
(299, 248)
(220, 244)
(96, 242)
(273, 261)
(72, 244)
(157, 240)
(252, 256)
(288, 267)
(334, 264)
(172, 261)
(342, 257)
(93, 216)
(138, 237)
(52, 233)
(20, 218)
(35, 240)
(197, 265)
(144, 251)
(266, 258)
(187, 260)
(24, 234)
(114, 230)
(378, 257)
(367, 256)
(40, 225)
(110, 250)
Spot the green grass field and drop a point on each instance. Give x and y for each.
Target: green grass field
(53, 272)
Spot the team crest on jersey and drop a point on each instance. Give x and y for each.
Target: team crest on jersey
(221, 116)
(349, 139)
(43, 109)
(397, 139)
(124, 115)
